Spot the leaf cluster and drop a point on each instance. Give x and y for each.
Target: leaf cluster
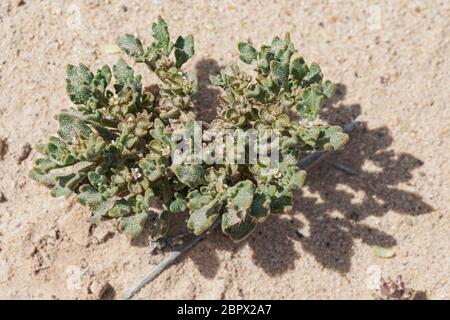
(114, 146)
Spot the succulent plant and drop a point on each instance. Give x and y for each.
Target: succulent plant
(115, 148)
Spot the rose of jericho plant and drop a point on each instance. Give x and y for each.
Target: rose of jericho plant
(114, 147)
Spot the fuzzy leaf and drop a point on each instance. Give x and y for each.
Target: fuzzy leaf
(161, 32)
(281, 203)
(298, 68)
(79, 81)
(328, 89)
(248, 54)
(89, 196)
(122, 71)
(237, 224)
(240, 196)
(314, 74)
(203, 218)
(190, 175)
(260, 208)
(332, 138)
(120, 209)
(71, 128)
(279, 72)
(133, 226)
(184, 49)
(179, 204)
(131, 45)
(311, 103)
(102, 78)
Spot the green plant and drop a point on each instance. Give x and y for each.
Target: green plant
(115, 148)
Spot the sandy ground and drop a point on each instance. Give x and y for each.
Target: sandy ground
(391, 60)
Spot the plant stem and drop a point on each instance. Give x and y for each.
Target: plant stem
(164, 264)
(341, 167)
(160, 267)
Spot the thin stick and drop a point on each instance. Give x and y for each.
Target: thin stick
(305, 163)
(160, 267)
(342, 167)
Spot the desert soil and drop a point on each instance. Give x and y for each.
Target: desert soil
(391, 61)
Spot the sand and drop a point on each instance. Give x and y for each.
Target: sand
(391, 61)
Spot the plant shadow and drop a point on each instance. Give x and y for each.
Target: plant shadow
(328, 220)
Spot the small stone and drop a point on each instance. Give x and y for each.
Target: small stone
(99, 289)
(3, 148)
(26, 149)
(299, 233)
(2, 197)
(101, 233)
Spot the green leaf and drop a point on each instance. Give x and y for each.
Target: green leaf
(122, 71)
(184, 50)
(332, 138)
(237, 224)
(198, 200)
(282, 49)
(240, 196)
(125, 77)
(203, 218)
(120, 209)
(281, 203)
(311, 103)
(260, 208)
(133, 226)
(79, 81)
(294, 177)
(101, 209)
(279, 72)
(338, 140)
(96, 179)
(89, 196)
(247, 53)
(152, 169)
(298, 69)
(179, 204)
(190, 175)
(65, 184)
(328, 89)
(161, 32)
(314, 74)
(131, 45)
(102, 78)
(47, 179)
(71, 128)
(110, 48)
(44, 165)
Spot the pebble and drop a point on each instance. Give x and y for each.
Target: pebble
(99, 288)
(101, 233)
